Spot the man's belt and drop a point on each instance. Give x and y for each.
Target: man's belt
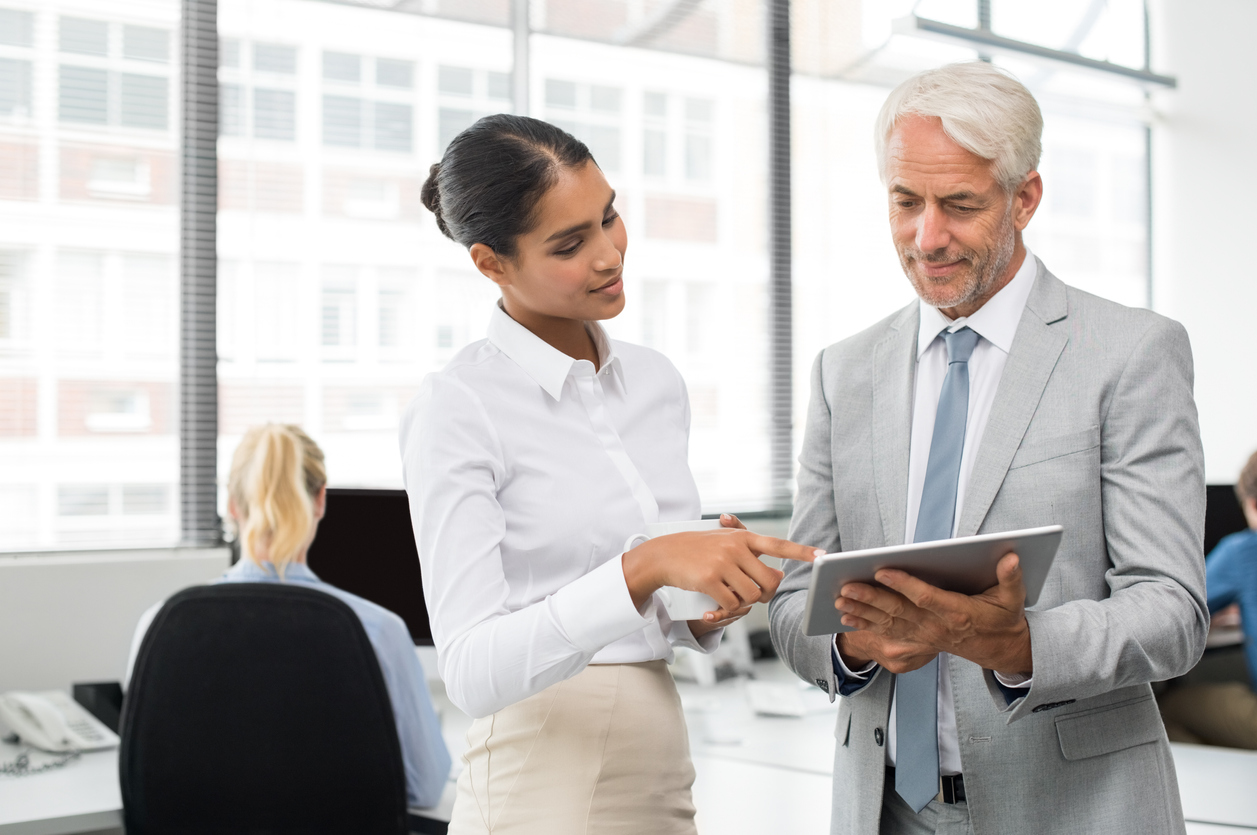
(951, 787)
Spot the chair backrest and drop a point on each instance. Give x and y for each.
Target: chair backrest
(259, 707)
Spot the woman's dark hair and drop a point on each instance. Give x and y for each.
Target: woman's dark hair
(486, 188)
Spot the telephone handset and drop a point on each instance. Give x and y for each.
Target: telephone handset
(52, 721)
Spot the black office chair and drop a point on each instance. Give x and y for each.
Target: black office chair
(259, 708)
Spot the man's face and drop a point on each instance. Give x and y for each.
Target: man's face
(954, 227)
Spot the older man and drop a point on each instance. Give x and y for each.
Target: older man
(1002, 399)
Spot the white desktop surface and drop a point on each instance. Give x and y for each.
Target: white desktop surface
(755, 774)
(81, 797)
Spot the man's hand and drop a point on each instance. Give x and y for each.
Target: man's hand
(905, 624)
(859, 648)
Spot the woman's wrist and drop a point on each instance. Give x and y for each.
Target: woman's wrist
(699, 628)
(639, 574)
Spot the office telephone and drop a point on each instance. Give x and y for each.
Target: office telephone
(52, 721)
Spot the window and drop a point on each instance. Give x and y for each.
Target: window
(391, 73)
(149, 306)
(79, 295)
(337, 293)
(274, 114)
(15, 87)
(88, 275)
(342, 121)
(655, 134)
(144, 43)
(14, 294)
(395, 303)
(698, 123)
(259, 100)
(590, 112)
(84, 95)
(16, 28)
(339, 66)
(113, 74)
(380, 115)
(274, 58)
(339, 314)
(276, 330)
(466, 94)
(84, 37)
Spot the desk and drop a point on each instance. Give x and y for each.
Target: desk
(82, 797)
(784, 764)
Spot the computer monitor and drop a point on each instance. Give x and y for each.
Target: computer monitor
(1223, 514)
(365, 545)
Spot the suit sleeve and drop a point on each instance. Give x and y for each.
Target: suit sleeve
(1154, 622)
(814, 523)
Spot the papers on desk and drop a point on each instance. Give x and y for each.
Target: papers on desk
(768, 698)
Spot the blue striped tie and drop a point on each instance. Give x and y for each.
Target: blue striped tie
(916, 693)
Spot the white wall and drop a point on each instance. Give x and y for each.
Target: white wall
(67, 618)
(1204, 178)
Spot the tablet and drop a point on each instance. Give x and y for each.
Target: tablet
(965, 565)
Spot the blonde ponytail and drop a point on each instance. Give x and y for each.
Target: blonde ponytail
(276, 473)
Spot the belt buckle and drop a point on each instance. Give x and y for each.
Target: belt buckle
(946, 789)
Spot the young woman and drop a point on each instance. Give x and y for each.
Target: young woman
(277, 493)
(531, 461)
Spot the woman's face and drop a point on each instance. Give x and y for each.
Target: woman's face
(571, 265)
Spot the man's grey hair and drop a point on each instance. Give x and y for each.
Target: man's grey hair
(984, 110)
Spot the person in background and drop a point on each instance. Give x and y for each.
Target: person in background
(532, 462)
(277, 493)
(1225, 713)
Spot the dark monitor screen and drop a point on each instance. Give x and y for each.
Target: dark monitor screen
(365, 545)
(1223, 514)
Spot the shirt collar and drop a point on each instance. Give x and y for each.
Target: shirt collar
(248, 570)
(547, 365)
(996, 321)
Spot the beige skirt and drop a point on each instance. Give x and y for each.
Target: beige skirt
(604, 752)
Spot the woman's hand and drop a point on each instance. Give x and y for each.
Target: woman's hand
(699, 628)
(723, 564)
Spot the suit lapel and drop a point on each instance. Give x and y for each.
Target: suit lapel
(1036, 350)
(894, 373)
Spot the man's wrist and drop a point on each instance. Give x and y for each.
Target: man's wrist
(853, 660)
(1019, 662)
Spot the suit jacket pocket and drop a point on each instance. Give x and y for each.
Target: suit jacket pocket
(1090, 733)
(1058, 446)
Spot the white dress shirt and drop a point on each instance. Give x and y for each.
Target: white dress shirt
(996, 323)
(527, 472)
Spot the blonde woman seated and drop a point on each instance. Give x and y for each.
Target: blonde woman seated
(277, 493)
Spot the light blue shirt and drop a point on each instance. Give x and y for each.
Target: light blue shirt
(424, 755)
(1231, 577)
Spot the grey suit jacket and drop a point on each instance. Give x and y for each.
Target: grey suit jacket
(1093, 427)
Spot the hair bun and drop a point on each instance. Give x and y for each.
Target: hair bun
(430, 194)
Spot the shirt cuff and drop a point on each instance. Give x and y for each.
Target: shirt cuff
(849, 681)
(596, 610)
(841, 667)
(1016, 680)
(1012, 687)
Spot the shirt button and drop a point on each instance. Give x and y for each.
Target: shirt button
(878, 737)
